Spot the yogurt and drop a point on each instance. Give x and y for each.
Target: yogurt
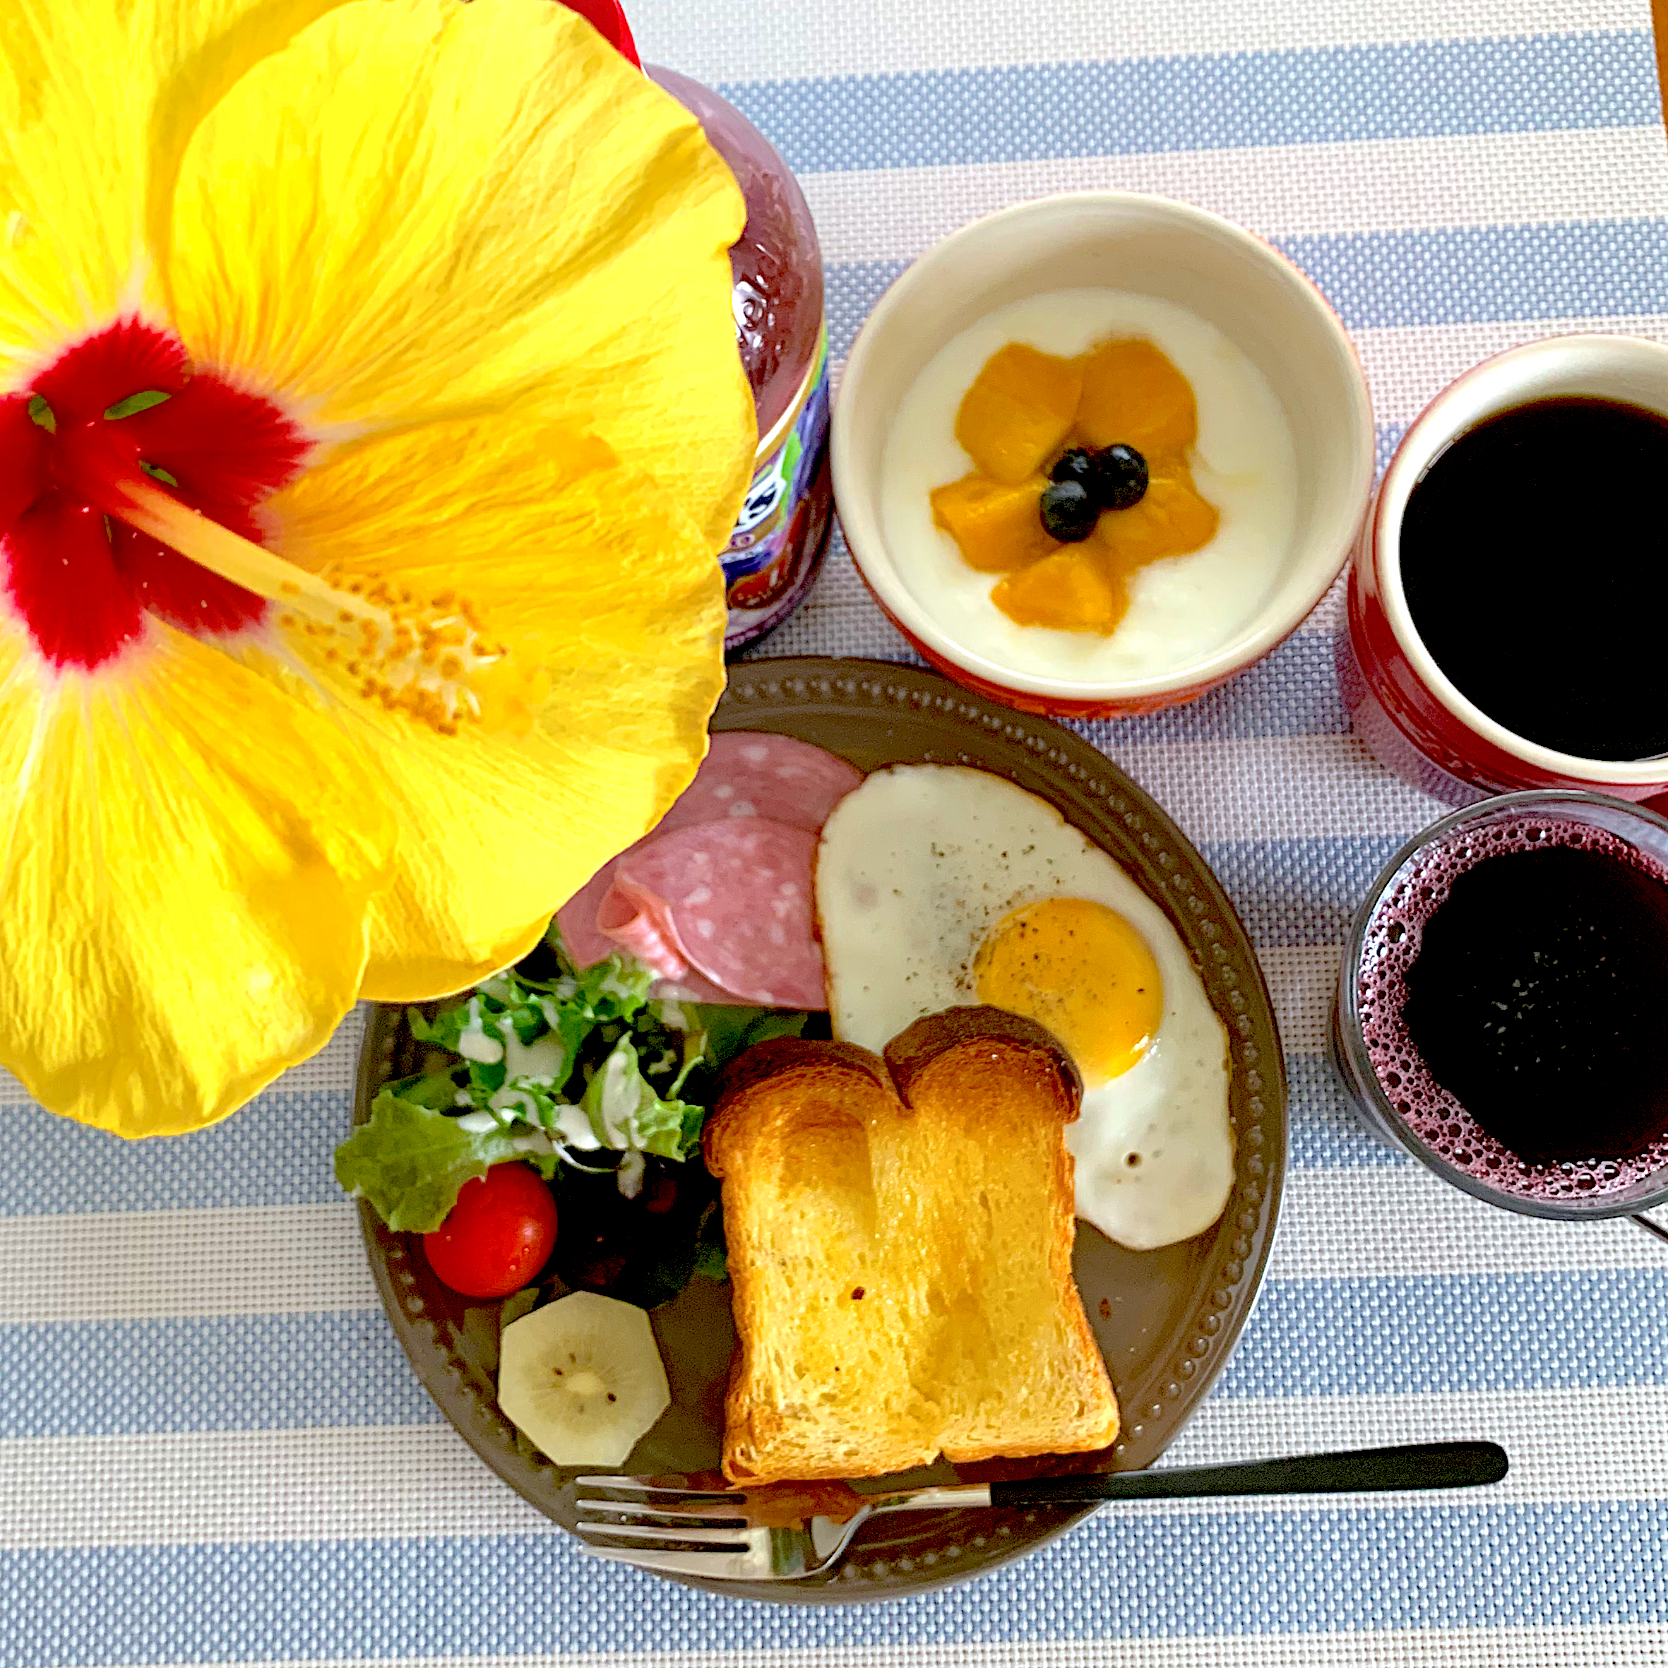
(1181, 608)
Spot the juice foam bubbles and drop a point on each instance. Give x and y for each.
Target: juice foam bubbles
(1432, 1115)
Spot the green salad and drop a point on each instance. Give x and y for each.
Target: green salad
(578, 1073)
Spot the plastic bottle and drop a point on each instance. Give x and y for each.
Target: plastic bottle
(779, 538)
(782, 531)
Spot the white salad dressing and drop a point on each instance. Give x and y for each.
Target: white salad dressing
(629, 1177)
(573, 1129)
(540, 1060)
(618, 1100)
(533, 1073)
(1181, 608)
(474, 1043)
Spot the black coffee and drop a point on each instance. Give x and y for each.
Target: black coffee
(1535, 564)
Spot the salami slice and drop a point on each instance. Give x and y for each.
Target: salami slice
(735, 899)
(576, 920)
(746, 774)
(750, 773)
(691, 987)
(640, 922)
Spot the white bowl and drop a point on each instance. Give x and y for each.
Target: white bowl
(1115, 240)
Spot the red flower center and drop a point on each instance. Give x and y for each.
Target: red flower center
(120, 402)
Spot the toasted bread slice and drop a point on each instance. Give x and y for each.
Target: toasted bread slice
(900, 1234)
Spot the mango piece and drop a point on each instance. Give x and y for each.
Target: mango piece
(997, 527)
(1133, 394)
(1073, 590)
(1015, 418)
(1170, 520)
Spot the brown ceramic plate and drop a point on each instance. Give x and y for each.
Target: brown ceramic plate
(1166, 1319)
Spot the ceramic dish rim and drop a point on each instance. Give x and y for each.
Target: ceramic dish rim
(1262, 632)
(439, 1373)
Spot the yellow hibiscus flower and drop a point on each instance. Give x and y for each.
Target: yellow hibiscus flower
(369, 415)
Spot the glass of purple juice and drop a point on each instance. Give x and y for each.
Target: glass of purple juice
(1502, 1009)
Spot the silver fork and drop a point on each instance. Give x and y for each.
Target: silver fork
(758, 1534)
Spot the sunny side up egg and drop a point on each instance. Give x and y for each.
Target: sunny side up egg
(940, 886)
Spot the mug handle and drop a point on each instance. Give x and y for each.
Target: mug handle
(1651, 1227)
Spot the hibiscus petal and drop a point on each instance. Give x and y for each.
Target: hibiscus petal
(131, 355)
(226, 451)
(589, 575)
(23, 447)
(489, 204)
(178, 590)
(70, 190)
(98, 99)
(185, 850)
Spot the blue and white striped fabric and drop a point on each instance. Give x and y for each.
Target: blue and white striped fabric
(211, 1449)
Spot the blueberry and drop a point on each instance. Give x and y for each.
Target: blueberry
(1076, 465)
(1120, 477)
(1068, 512)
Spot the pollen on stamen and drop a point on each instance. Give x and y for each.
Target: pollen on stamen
(424, 658)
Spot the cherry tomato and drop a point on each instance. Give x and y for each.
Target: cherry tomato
(498, 1236)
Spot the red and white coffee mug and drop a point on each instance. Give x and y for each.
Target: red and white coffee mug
(1404, 706)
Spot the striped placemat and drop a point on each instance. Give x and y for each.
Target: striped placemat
(211, 1449)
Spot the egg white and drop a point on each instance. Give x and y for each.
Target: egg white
(915, 867)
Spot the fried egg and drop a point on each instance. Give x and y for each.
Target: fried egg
(940, 886)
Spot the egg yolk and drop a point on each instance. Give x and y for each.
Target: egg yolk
(1081, 970)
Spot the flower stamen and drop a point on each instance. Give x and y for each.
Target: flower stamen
(425, 658)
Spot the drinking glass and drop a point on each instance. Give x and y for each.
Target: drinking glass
(1641, 829)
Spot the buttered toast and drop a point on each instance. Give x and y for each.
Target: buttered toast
(900, 1232)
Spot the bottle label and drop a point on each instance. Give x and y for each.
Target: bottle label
(777, 543)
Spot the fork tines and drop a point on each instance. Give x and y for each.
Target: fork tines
(642, 1488)
(625, 1518)
(621, 1499)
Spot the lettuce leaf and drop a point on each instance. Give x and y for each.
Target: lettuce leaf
(625, 1111)
(728, 1031)
(525, 1051)
(570, 1006)
(436, 1089)
(409, 1160)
